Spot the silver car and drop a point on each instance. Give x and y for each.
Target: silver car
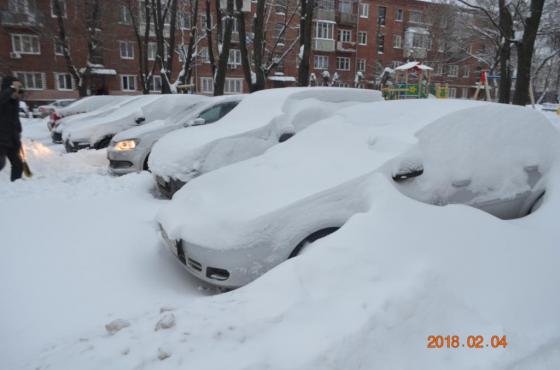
(129, 150)
(232, 225)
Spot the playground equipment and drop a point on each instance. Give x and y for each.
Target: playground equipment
(413, 81)
(483, 84)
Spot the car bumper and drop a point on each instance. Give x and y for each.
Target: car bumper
(169, 187)
(121, 163)
(205, 264)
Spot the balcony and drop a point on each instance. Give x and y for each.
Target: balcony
(346, 47)
(323, 45)
(348, 19)
(20, 20)
(324, 14)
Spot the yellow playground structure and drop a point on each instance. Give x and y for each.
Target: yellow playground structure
(413, 81)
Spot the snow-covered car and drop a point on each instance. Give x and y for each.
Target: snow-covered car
(130, 149)
(84, 105)
(44, 110)
(551, 107)
(260, 121)
(91, 116)
(230, 226)
(97, 133)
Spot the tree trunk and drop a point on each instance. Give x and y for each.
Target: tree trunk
(220, 80)
(259, 46)
(187, 65)
(210, 44)
(306, 24)
(245, 62)
(506, 23)
(525, 53)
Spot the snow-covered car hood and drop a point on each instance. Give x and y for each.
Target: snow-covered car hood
(150, 107)
(258, 116)
(89, 104)
(330, 161)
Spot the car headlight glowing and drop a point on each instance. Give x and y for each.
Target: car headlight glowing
(125, 145)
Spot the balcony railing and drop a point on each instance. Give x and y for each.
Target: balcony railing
(323, 45)
(23, 20)
(324, 14)
(347, 18)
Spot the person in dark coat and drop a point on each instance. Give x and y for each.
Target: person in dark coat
(10, 126)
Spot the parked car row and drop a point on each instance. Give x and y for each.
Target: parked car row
(255, 179)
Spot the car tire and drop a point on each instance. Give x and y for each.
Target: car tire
(146, 167)
(311, 239)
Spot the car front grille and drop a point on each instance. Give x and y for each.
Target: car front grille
(56, 137)
(120, 164)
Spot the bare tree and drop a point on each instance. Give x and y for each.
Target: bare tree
(164, 15)
(92, 25)
(190, 12)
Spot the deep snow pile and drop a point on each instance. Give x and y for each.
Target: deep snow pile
(77, 248)
(361, 298)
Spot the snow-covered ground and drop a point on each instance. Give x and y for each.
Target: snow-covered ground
(80, 249)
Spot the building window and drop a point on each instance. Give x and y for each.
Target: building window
(281, 6)
(154, 84)
(325, 5)
(441, 46)
(397, 42)
(364, 10)
(233, 86)
(124, 15)
(343, 63)
(452, 92)
(415, 16)
(421, 41)
(62, 4)
(58, 47)
(321, 62)
(324, 30)
(345, 35)
(380, 43)
(19, 6)
(345, 6)
(127, 49)
(465, 93)
(234, 59)
(439, 70)
(184, 20)
(361, 65)
(381, 15)
(128, 82)
(203, 55)
(362, 38)
(399, 15)
(63, 81)
(203, 21)
(280, 33)
(206, 85)
(26, 44)
(31, 80)
(152, 50)
(395, 64)
(453, 71)
(466, 71)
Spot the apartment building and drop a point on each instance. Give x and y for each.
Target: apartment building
(353, 41)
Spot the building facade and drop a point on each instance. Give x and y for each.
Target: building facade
(353, 41)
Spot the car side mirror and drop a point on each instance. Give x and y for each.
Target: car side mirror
(407, 169)
(198, 121)
(139, 120)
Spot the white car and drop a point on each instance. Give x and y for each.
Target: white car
(260, 121)
(84, 105)
(129, 150)
(230, 226)
(46, 109)
(97, 132)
